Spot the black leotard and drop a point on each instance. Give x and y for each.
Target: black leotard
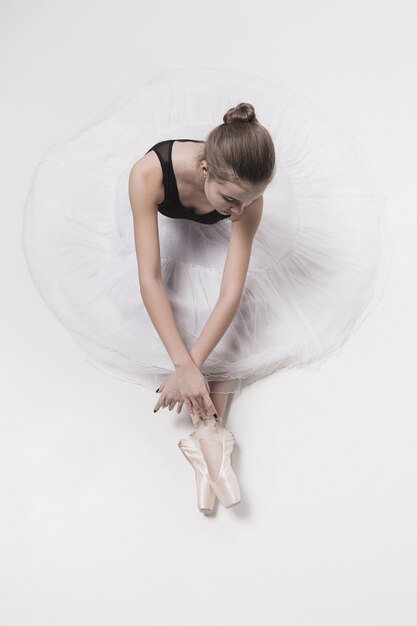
(171, 205)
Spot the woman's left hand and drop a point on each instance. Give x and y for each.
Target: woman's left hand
(170, 394)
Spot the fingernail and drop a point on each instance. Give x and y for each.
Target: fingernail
(155, 410)
(157, 390)
(215, 415)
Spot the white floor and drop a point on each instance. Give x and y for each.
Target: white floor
(98, 519)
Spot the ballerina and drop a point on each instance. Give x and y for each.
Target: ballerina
(241, 272)
(224, 178)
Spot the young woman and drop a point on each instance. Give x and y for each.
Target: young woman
(222, 178)
(238, 278)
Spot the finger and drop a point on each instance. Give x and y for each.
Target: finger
(203, 407)
(209, 405)
(197, 409)
(179, 407)
(189, 406)
(160, 403)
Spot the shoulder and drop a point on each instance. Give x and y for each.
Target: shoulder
(146, 175)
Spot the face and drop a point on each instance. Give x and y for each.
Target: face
(231, 198)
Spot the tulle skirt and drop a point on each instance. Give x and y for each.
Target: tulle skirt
(320, 258)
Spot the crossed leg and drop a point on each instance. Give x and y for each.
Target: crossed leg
(211, 448)
(219, 395)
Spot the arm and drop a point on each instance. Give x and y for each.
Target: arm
(234, 277)
(144, 179)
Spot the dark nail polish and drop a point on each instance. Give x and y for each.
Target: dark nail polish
(157, 390)
(155, 410)
(215, 415)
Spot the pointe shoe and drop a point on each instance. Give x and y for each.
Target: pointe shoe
(225, 485)
(206, 497)
(205, 494)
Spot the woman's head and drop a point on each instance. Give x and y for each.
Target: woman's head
(238, 159)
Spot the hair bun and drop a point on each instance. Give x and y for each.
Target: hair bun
(242, 112)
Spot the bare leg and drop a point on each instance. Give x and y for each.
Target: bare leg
(220, 398)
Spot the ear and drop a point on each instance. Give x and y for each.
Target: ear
(203, 167)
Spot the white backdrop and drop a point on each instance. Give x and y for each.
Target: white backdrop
(99, 523)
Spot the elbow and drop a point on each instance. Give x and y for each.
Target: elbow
(231, 298)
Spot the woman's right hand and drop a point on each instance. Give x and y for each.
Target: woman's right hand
(195, 391)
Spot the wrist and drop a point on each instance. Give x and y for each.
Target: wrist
(183, 365)
(198, 362)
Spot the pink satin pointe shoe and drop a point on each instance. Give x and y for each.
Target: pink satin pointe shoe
(206, 497)
(225, 485)
(205, 494)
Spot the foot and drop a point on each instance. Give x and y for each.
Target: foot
(210, 435)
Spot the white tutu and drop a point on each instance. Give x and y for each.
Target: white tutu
(319, 261)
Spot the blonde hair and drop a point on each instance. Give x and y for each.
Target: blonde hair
(240, 149)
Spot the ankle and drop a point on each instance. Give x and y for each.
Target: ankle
(219, 419)
(210, 423)
(211, 419)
